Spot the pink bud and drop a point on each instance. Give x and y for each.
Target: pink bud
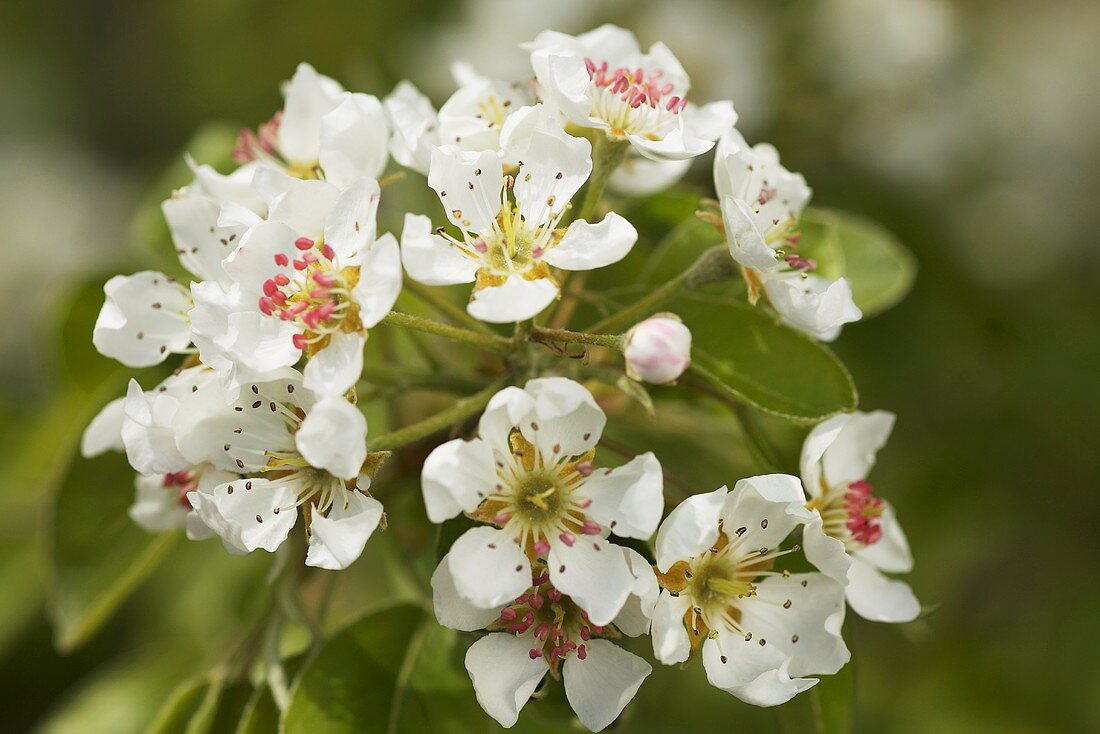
(281, 259)
(328, 252)
(299, 341)
(303, 243)
(658, 350)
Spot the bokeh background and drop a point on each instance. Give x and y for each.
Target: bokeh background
(971, 129)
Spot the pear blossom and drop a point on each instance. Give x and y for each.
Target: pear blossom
(836, 458)
(310, 280)
(529, 476)
(657, 350)
(291, 449)
(544, 631)
(602, 80)
(761, 205)
(509, 236)
(322, 132)
(762, 630)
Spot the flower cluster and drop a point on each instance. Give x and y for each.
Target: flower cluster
(285, 275)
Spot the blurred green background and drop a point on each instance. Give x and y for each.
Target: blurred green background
(971, 129)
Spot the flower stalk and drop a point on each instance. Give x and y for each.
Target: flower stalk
(491, 342)
(460, 411)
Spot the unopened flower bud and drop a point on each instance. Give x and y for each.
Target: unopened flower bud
(658, 350)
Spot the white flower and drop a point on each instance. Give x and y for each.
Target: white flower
(289, 449)
(762, 630)
(509, 227)
(602, 80)
(415, 125)
(837, 456)
(148, 427)
(310, 279)
(321, 132)
(657, 350)
(545, 631)
(761, 204)
(530, 475)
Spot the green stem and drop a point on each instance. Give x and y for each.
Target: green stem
(544, 336)
(607, 154)
(713, 266)
(491, 342)
(457, 413)
(431, 297)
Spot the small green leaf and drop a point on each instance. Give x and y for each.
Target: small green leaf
(96, 555)
(176, 713)
(744, 354)
(879, 268)
(391, 671)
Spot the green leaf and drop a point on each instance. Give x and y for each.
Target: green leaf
(391, 671)
(180, 708)
(746, 355)
(96, 556)
(679, 250)
(879, 268)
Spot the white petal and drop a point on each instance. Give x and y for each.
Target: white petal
(456, 477)
(812, 304)
(754, 674)
(304, 206)
(379, 281)
(671, 643)
(594, 573)
(415, 126)
(677, 145)
(746, 242)
(600, 686)
(587, 246)
(690, 528)
(554, 167)
(333, 437)
(634, 618)
(813, 448)
(248, 513)
(504, 675)
(261, 343)
(350, 227)
(354, 138)
(309, 97)
(879, 598)
(200, 241)
(231, 188)
(852, 455)
(104, 433)
(157, 508)
(891, 553)
(504, 412)
(143, 319)
(824, 551)
(711, 120)
(518, 299)
(564, 81)
(451, 609)
(628, 499)
(337, 539)
(335, 369)
(769, 507)
(488, 567)
(429, 258)
(640, 176)
(807, 630)
(468, 185)
(565, 419)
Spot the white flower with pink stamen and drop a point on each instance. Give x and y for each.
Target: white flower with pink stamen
(529, 476)
(761, 205)
(545, 631)
(289, 449)
(310, 280)
(509, 234)
(837, 456)
(603, 80)
(322, 132)
(761, 629)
